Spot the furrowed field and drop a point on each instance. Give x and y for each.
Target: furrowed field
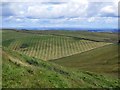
(47, 47)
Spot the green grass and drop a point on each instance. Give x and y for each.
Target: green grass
(100, 60)
(36, 73)
(0, 67)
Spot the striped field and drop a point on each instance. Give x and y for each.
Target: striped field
(49, 47)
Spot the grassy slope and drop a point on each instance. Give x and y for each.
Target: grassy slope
(100, 60)
(0, 67)
(22, 71)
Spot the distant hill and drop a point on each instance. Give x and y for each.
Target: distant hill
(68, 28)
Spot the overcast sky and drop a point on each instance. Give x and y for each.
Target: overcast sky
(59, 13)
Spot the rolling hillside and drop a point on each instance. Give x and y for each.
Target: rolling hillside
(59, 59)
(17, 68)
(100, 60)
(94, 36)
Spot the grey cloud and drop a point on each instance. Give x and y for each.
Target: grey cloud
(53, 3)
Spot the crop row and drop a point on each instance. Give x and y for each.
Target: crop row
(49, 47)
